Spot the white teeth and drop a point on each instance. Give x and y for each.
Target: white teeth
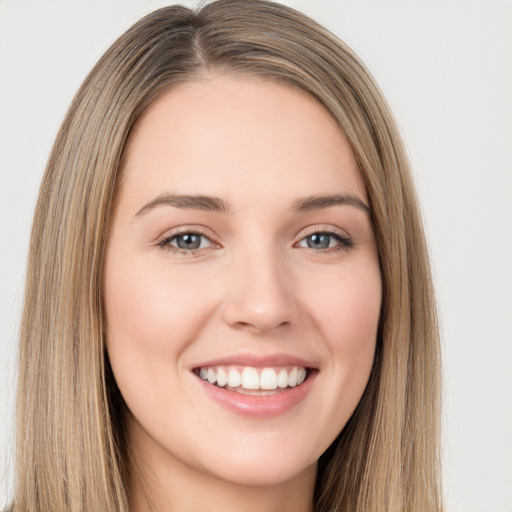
(282, 379)
(292, 378)
(222, 377)
(211, 376)
(250, 378)
(234, 378)
(268, 379)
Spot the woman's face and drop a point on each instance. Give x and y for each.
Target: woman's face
(242, 285)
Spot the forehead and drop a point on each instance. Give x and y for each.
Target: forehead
(240, 137)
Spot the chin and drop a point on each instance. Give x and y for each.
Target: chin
(260, 459)
(262, 473)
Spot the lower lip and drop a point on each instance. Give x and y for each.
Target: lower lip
(261, 407)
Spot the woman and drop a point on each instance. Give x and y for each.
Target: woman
(228, 296)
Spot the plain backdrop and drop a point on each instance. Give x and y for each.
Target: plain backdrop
(446, 69)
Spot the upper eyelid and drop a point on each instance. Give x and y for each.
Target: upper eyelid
(310, 230)
(169, 234)
(303, 232)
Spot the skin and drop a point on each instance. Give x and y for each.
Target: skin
(253, 287)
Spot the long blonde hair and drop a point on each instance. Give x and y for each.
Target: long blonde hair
(71, 450)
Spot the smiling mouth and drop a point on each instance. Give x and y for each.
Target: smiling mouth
(249, 380)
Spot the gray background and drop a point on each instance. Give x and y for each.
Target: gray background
(446, 68)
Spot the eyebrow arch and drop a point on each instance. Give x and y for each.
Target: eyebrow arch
(195, 202)
(318, 202)
(215, 204)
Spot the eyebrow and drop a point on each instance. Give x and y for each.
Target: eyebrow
(317, 202)
(194, 202)
(217, 205)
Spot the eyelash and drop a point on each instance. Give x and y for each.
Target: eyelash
(345, 243)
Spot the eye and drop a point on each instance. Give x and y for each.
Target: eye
(322, 240)
(186, 242)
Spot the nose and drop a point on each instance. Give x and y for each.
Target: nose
(260, 294)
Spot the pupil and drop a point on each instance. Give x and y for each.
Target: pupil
(189, 241)
(318, 241)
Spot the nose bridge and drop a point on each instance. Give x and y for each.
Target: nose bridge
(260, 291)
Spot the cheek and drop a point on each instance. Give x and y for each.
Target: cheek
(150, 313)
(153, 314)
(347, 306)
(346, 309)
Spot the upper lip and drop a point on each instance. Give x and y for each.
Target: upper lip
(257, 361)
